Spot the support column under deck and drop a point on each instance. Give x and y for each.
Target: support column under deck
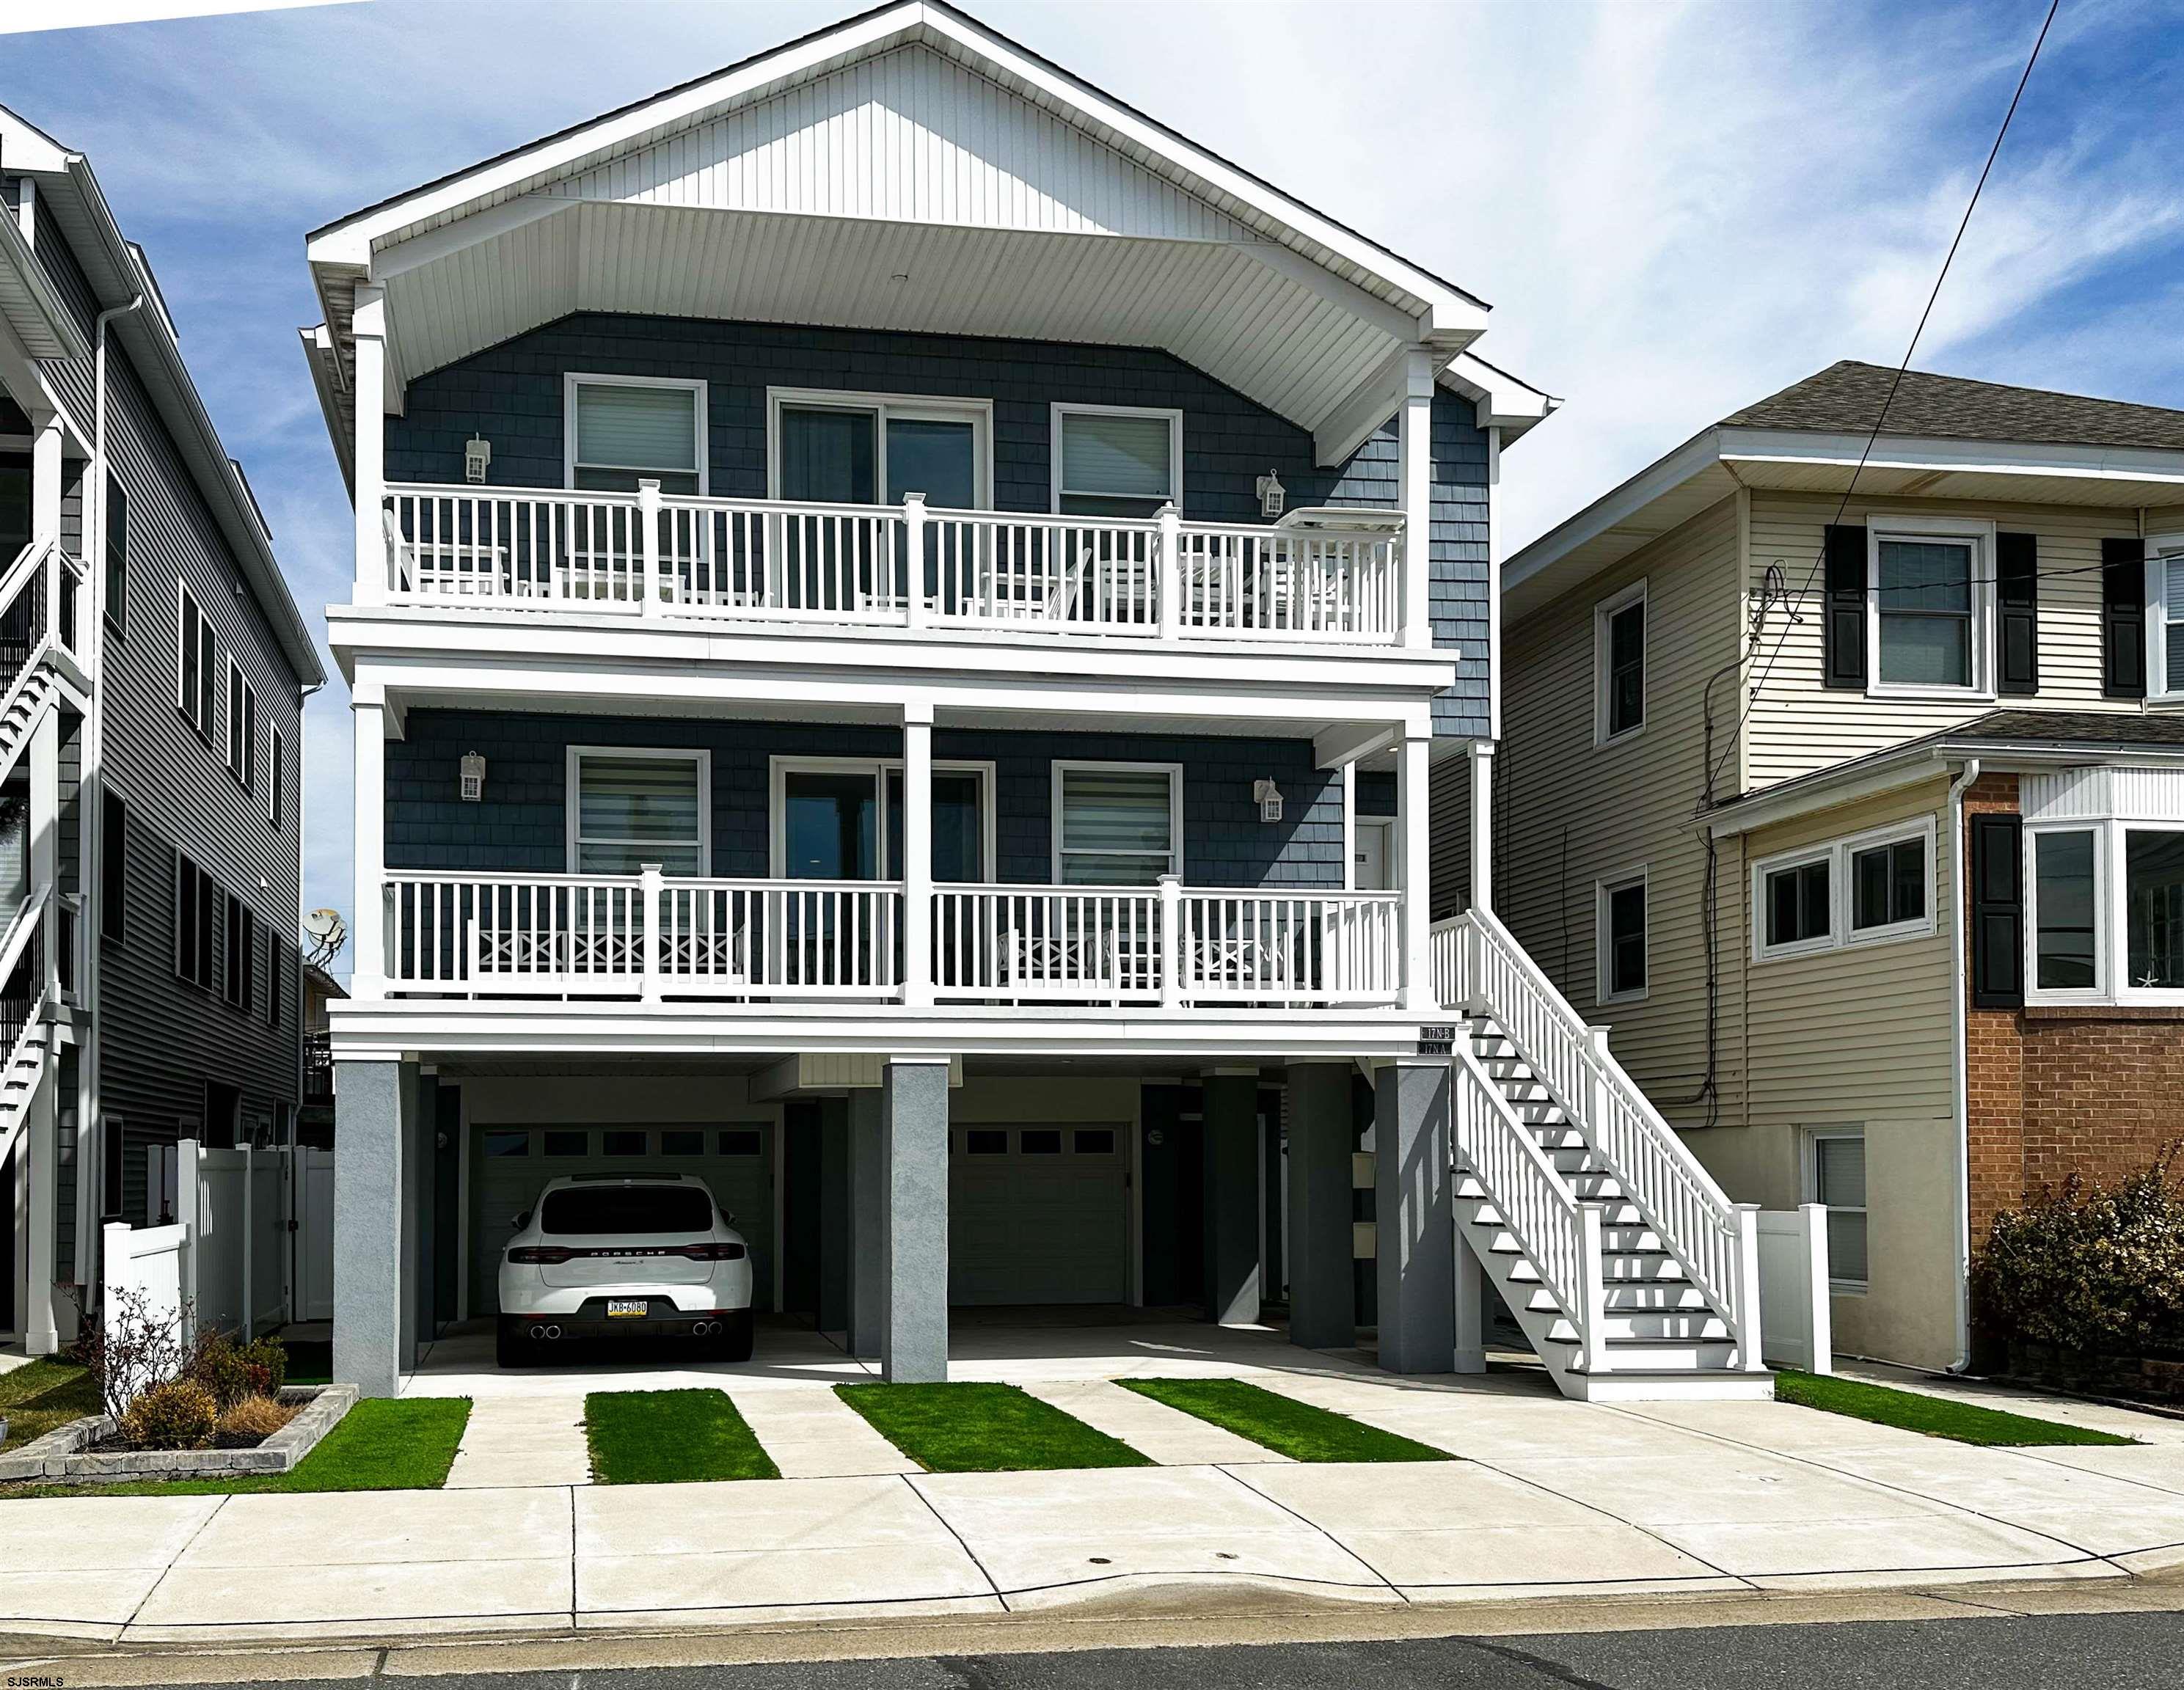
(1414, 1202)
(1323, 1289)
(1232, 1198)
(914, 1094)
(369, 1100)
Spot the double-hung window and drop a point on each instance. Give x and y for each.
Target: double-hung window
(1112, 460)
(1620, 936)
(117, 553)
(276, 776)
(2165, 627)
(1116, 824)
(1834, 1175)
(1619, 654)
(112, 866)
(195, 660)
(197, 920)
(242, 952)
(241, 725)
(1931, 593)
(631, 807)
(622, 430)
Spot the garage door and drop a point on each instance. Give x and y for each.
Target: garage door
(1038, 1214)
(510, 1166)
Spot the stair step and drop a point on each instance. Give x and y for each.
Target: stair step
(1673, 1297)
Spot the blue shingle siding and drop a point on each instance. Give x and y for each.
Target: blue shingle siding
(521, 826)
(512, 394)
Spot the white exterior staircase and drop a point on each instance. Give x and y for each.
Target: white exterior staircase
(1631, 1274)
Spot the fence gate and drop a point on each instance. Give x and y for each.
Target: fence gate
(311, 1215)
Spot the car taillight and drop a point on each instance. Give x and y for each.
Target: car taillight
(539, 1255)
(714, 1253)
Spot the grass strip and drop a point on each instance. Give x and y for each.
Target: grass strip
(1935, 1416)
(380, 1444)
(967, 1428)
(664, 1437)
(41, 1395)
(1282, 1424)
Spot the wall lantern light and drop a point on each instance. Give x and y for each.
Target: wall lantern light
(1268, 797)
(473, 777)
(478, 457)
(1270, 496)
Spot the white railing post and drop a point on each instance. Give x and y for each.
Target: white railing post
(1171, 941)
(369, 962)
(1749, 1358)
(1170, 587)
(651, 899)
(1592, 1328)
(652, 590)
(369, 457)
(913, 545)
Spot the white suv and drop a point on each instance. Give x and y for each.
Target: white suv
(603, 1255)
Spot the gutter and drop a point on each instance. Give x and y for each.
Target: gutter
(1960, 1092)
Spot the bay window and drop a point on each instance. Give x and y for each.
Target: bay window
(2153, 908)
(2066, 952)
(2107, 919)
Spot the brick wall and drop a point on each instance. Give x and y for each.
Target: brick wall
(2053, 1092)
(513, 394)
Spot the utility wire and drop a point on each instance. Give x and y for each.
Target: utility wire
(1752, 695)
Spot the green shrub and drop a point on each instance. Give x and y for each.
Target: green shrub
(233, 1371)
(271, 1361)
(2091, 1268)
(180, 1413)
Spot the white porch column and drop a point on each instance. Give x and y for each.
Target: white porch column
(368, 929)
(1482, 824)
(917, 853)
(370, 453)
(40, 1330)
(1413, 806)
(45, 475)
(1416, 429)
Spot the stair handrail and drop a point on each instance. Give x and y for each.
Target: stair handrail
(34, 1031)
(1713, 1240)
(1559, 1235)
(28, 573)
(22, 927)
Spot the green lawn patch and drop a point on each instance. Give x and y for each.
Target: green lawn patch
(983, 1429)
(1282, 1424)
(1935, 1416)
(380, 1444)
(41, 1395)
(664, 1438)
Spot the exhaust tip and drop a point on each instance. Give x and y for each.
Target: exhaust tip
(538, 1331)
(553, 1331)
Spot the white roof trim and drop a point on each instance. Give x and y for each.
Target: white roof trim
(1613, 508)
(1504, 402)
(30, 303)
(1978, 457)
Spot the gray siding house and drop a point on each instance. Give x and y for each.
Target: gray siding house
(150, 746)
(908, 622)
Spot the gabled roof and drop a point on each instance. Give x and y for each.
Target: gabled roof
(1940, 436)
(907, 168)
(116, 270)
(1849, 397)
(29, 305)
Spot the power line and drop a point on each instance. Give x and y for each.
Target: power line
(1752, 694)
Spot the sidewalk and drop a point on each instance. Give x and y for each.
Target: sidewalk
(1549, 1498)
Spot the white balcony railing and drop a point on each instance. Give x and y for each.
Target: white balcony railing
(642, 554)
(648, 938)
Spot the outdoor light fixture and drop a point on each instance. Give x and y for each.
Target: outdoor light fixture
(1268, 797)
(473, 777)
(1270, 496)
(477, 453)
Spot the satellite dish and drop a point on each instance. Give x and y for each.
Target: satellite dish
(328, 933)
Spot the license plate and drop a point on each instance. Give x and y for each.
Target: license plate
(627, 1308)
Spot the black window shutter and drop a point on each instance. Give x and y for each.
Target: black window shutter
(2123, 618)
(1997, 913)
(1842, 641)
(2017, 604)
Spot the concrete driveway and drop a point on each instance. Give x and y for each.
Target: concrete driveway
(1540, 1498)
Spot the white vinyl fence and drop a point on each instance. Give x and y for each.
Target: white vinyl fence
(154, 1262)
(1793, 1288)
(240, 1230)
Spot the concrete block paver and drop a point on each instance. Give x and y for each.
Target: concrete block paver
(1161, 1433)
(813, 1434)
(510, 1441)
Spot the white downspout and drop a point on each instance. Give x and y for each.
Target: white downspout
(1960, 1089)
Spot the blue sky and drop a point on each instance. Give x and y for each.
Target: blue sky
(1674, 209)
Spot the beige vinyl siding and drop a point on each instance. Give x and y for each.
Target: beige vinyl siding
(1860, 1035)
(1798, 726)
(1571, 814)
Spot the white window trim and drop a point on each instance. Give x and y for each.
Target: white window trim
(1060, 410)
(1841, 901)
(2106, 921)
(1603, 614)
(573, 379)
(1604, 889)
(1811, 1180)
(240, 726)
(1980, 533)
(903, 407)
(1062, 766)
(2160, 549)
(573, 793)
(779, 768)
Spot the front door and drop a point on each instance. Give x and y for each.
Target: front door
(1371, 867)
(874, 453)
